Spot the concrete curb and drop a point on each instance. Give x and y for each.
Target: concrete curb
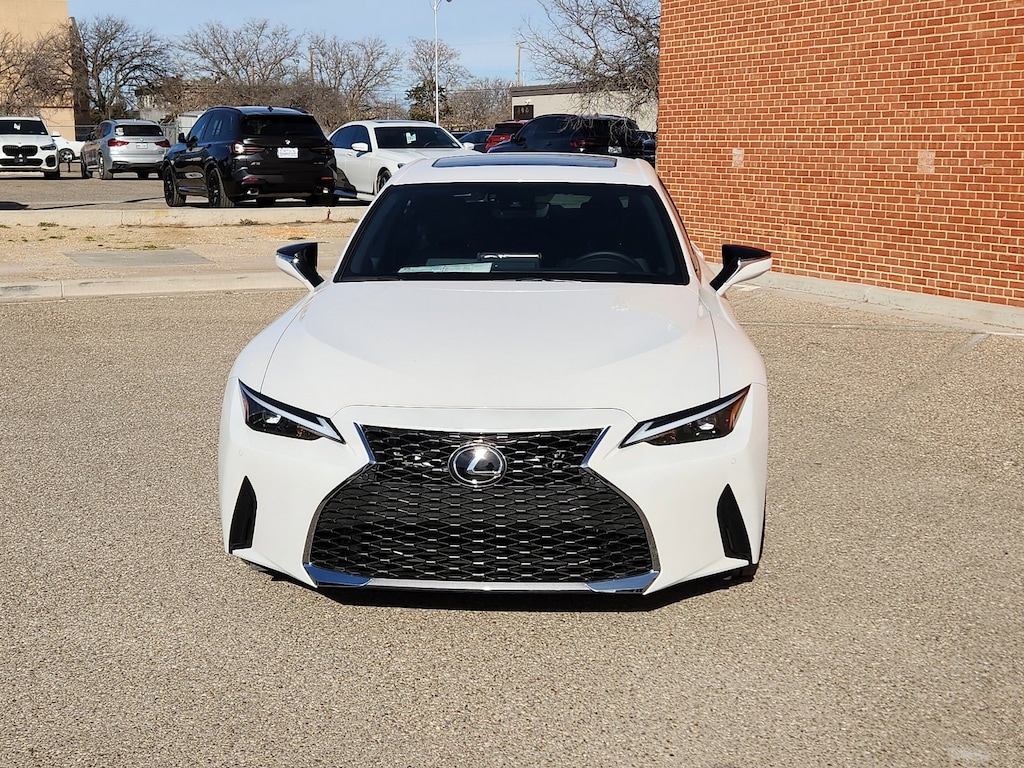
(43, 290)
(888, 298)
(179, 217)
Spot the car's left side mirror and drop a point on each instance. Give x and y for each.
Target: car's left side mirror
(299, 261)
(739, 263)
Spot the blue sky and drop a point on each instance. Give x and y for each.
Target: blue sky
(483, 31)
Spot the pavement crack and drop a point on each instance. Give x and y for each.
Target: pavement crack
(929, 381)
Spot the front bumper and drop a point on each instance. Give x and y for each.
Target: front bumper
(658, 515)
(21, 158)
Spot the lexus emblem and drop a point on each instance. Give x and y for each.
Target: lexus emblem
(477, 465)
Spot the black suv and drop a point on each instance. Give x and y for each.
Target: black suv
(594, 134)
(258, 153)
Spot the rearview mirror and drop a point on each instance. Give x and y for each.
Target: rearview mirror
(361, 146)
(740, 263)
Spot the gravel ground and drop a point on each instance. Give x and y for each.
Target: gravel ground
(884, 629)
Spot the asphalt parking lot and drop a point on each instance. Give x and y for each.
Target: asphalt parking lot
(20, 192)
(884, 629)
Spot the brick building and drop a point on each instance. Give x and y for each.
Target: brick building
(879, 142)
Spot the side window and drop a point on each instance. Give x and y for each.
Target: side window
(545, 128)
(362, 134)
(345, 138)
(199, 128)
(528, 133)
(216, 131)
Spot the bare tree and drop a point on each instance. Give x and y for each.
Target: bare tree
(34, 73)
(118, 59)
(601, 46)
(480, 103)
(421, 63)
(251, 64)
(349, 78)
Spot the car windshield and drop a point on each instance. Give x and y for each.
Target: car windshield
(414, 137)
(23, 127)
(282, 125)
(138, 130)
(500, 231)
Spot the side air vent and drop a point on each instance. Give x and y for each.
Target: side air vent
(735, 540)
(243, 521)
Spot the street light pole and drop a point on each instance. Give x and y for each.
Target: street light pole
(437, 89)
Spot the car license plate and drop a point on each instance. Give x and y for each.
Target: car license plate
(614, 150)
(142, 145)
(287, 151)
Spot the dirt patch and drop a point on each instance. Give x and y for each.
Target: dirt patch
(40, 252)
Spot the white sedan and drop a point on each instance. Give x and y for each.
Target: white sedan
(550, 395)
(369, 152)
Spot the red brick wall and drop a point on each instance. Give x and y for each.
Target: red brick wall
(878, 142)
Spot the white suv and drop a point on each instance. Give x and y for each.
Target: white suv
(26, 145)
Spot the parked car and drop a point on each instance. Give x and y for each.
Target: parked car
(67, 150)
(503, 131)
(477, 138)
(369, 152)
(650, 140)
(521, 376)
(250, 153)
(118, 146)
(592, 134)
(26, 145)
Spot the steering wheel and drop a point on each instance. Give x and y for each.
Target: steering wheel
(613, 259)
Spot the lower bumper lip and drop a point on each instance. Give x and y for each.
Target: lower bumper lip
(633, 584)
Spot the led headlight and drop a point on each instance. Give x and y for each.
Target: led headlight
(48, 147)
(264, 414)
(706, 422)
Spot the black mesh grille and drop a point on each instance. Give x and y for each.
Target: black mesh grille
(28, 150)
(548, 520)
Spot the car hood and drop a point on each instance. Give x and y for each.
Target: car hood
(639, 348)
(26, 139)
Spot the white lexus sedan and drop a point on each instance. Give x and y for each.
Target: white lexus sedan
(520, 376)
(369, 152)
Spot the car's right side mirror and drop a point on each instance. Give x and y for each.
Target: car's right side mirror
(739, 263)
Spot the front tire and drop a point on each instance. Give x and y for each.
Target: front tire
(215, 194)
(84, 169)
(51, 175)
(142, 174)
(172, 196)
(105, 173)
(66, 156)
(382, 178)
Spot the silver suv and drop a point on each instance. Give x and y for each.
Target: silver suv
(26, 145)
(124, 145)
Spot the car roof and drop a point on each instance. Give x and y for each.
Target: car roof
(411, 123)
(529, 166)
(266, 110)
(132, 121)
